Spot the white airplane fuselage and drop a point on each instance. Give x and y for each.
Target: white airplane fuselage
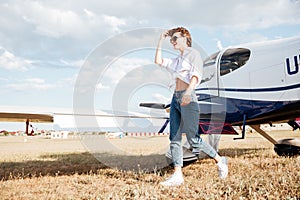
(256, 82)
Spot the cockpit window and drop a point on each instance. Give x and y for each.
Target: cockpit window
(233, 59)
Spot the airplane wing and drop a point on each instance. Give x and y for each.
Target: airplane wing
(22, 117)
(66, 116)
(17, 114)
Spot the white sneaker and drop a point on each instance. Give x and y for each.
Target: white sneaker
(175, 180)
(223, 168)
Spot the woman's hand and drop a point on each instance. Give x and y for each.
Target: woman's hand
(187, 96)
(164, 35)
(186, 99)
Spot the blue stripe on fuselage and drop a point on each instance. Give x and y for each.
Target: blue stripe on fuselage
(275, 89)
(232, 110)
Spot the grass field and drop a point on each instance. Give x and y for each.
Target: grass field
(37, 168)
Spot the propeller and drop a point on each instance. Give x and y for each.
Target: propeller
(155, 105)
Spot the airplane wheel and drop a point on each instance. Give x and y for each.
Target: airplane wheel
(288, 147)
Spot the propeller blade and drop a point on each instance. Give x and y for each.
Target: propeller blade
(153, 105)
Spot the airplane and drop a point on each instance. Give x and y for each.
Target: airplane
(247, 84)
(250, 84)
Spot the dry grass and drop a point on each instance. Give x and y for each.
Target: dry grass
(256, 172)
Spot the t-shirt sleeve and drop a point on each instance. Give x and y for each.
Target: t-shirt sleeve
(169, 63)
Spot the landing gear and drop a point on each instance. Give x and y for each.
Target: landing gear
(283, 147)
(288, 147)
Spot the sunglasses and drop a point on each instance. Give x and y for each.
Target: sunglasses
(174, 39)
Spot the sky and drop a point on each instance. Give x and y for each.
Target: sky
(61, 54)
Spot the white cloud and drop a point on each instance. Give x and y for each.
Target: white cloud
(83, 19)
(52, 22)
(9, 61)
(114, 22)
(74, 63)
(89, 14)
(57, 22)
(122, 67)
(48, 26)
(30, 84)
(102, 87)
(243, 15)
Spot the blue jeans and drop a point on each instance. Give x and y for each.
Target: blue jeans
(185, 119)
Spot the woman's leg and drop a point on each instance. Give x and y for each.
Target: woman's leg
(190, 122)
(190, 117)
(175, 145)
(175, 133)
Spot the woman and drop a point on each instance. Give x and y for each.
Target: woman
(184, 112)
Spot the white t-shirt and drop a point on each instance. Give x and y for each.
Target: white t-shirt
(186, 66)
